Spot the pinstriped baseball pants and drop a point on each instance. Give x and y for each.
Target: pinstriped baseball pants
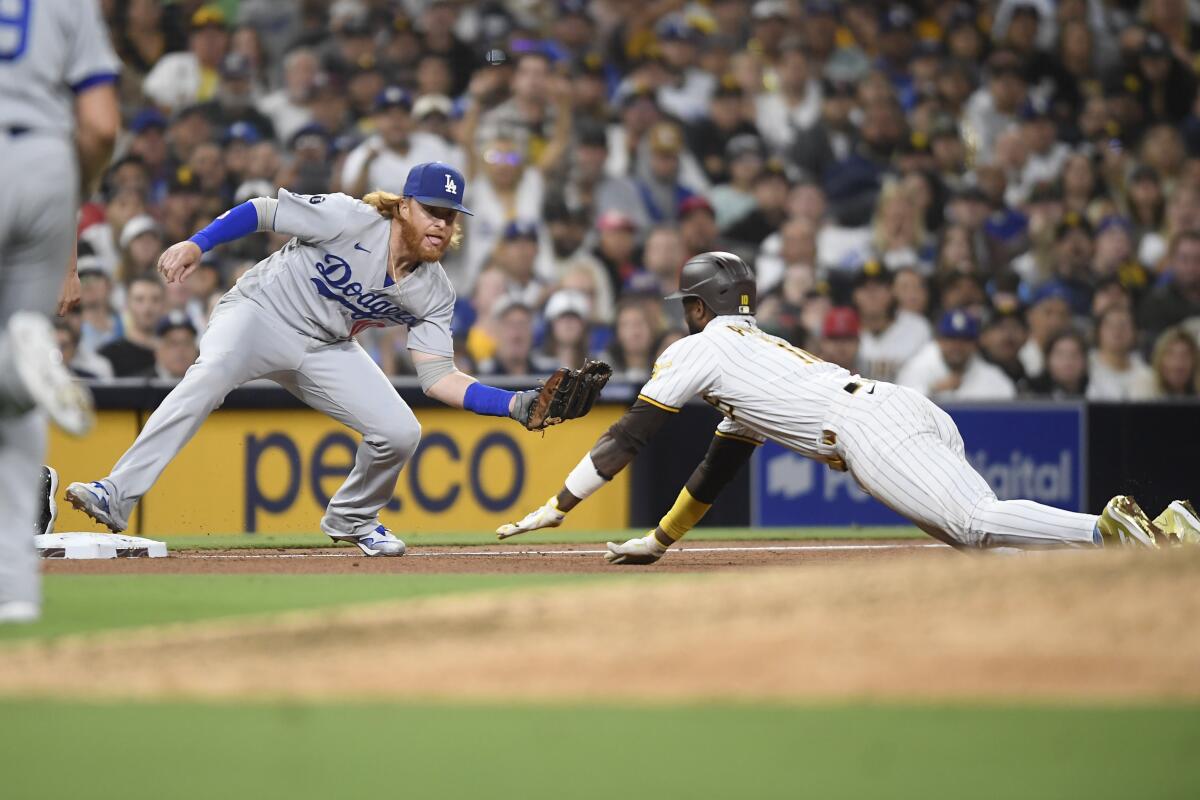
(907, 453)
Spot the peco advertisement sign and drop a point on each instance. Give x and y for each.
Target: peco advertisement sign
(1031, 452)
(274, 472)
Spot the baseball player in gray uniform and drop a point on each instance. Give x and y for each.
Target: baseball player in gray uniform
(900, 447)
(58, 122)
(351, 265)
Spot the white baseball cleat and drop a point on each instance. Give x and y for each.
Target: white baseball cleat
(95, 500)
(39, 365)
(376, 542)
(19, 612)
(47, 507)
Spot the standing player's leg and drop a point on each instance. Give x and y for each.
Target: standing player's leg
(37, 232)
(907, 453)
(239, 345)
(342, 381)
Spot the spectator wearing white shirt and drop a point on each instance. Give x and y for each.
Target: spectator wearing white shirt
(688, 89)
(796, 106)
(288, 106)
(383, 161)
(192, 76)
(950, 367)
(1117, 371)
(890, 336)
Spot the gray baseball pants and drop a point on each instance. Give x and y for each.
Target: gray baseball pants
(39, 176)
(245, 341)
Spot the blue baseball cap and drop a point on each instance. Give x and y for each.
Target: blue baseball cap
(148, 118)
(958, 324)
(393, 97)
(518, 229)
(435, 183)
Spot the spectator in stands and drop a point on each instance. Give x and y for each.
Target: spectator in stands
(950, 367)
(839, 338)
(1178, 298)
(1176, 367)
(911, 291)
(658, 178)
(1066, 374)
(1048, 315)
(631, 353)
(99, 323)
(133, 353)
(1115, 368)
(710, 138)
(745, 157)
(567, 330)
(616, 248)
(175, 347)
(567, 231)
(698, 226)
(516, 255)
(68, 344)
(769, 211)
(288, 106)
(1003, 335)
(795, 104)
(183, 78)
(513, 327)
(141, 245)
(890, 336)
(384, 160)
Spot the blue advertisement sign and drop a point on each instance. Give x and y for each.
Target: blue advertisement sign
(1028, 452)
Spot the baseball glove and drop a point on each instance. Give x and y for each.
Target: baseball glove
(567, 394)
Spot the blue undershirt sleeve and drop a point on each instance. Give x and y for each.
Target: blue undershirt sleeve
(235, 223)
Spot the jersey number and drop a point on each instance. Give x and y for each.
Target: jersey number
(14, 28)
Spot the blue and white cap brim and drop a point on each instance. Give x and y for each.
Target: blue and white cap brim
(442, 202)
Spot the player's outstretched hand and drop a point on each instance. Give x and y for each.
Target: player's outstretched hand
(178, 261)
(547, 516)
(642, 550)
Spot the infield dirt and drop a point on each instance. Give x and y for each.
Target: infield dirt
(1107, 626)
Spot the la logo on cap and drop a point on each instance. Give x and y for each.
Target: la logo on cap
(451, 186)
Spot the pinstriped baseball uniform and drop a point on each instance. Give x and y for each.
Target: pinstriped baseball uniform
(49, 51)
(901, 448)
(291, 319)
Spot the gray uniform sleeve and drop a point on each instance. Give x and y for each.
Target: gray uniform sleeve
(312, 218)
(92, 59)
(429, 296)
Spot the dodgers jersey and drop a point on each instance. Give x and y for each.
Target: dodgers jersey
(331, 281)
(50, 50)
(765, 387)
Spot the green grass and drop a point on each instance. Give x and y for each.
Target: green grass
(219, 541)
(89, 603)
(294, 752)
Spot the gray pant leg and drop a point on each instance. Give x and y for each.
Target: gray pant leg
(37, 231)
(22, 443)
(239, 345)
(342, 381)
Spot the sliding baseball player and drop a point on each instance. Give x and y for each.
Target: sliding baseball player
(351, 265)
(900, 447)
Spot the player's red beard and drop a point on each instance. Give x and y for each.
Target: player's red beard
(414, 242)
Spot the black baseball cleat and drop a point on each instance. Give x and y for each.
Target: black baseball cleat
(47, 508)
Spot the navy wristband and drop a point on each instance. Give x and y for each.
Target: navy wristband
(487, 400)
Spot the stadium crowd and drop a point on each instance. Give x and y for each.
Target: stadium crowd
(979, 200)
